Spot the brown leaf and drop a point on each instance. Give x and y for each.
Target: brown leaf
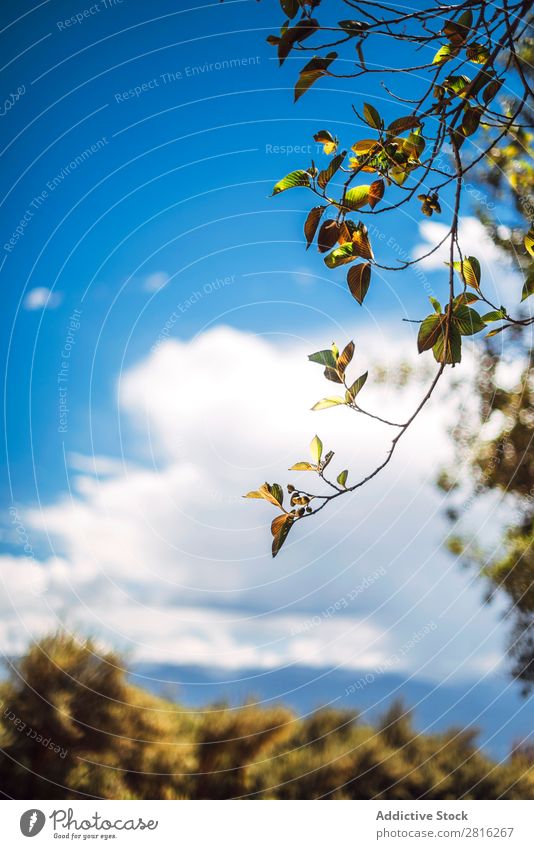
(359, 278)
(328, 235)
(376, 192)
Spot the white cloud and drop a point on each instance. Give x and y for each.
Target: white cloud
(168, 560)
(156, 281)
(42, 298)
(500, 280)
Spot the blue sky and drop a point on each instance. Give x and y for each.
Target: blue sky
(129, 498)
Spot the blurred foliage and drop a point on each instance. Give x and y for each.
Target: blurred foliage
(504, 464)
(117, 741)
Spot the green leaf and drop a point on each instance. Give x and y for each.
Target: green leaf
(372, 117)
(345, 357)
(278, 493)
(280, 527)
(314, 70)
(494, 315)
(325, 176)
(356, 198)
(324, 358)
(333, 401)
(465, 298)
(469, 269)
(445, 52)
(303, 467)
(436, 304)
(429, 332)
(457, 84)
(353, 390)
(292, 181)
(467, 321)
(316, 448)
(414, 145)
(528, 286)
(311, 223)
(342, 477)
(453, 352)
(340, 256)
(273, 494)
(359, 278)
(529, 241)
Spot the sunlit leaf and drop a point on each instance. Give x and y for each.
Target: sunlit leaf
(325, 176)
(400, 125)
(340, 256)
(445, 52)
(529, 241)
(311, 223)
(280, 527)
(469, 269)
(359, 278)
(303, 467)
(362, 244)
(345, 357)
(494, 315)
(271, 493)
(436, 304)
(291, 181)
(477, 53)
(327, 140)
(376, 192)
(316, 449)
(365, 146)
(353, 390)
(356, 198)
(342, 477)
(429, 332)
(332, 401)
(466, 298)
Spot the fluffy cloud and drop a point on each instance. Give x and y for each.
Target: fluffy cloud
(501, 281)
(162, 556)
